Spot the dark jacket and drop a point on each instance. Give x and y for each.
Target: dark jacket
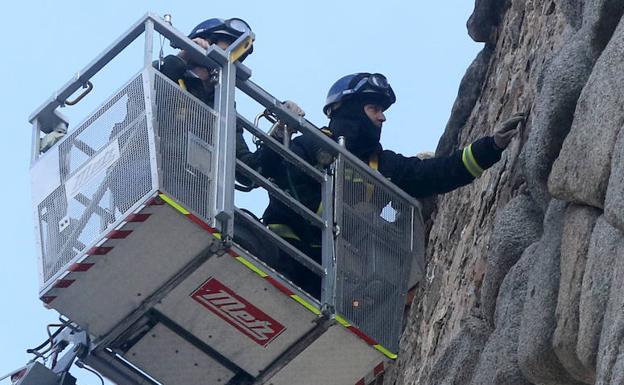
(418, 177)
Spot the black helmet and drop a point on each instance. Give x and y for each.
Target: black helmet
(375, 86)
(219, 29)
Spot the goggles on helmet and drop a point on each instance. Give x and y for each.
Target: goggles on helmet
(233, 27)
(362, 84)
(372, 81)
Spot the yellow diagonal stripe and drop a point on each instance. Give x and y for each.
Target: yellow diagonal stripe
(251, 266)
(386, 352)
(173, 204)
(342, 321)
(305, 304)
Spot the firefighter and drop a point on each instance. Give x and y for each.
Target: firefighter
(201, 81)
(355, 106)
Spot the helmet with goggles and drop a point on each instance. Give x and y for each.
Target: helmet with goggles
(216, 29)
(363, 84)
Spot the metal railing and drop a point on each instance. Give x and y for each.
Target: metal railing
(188, 150)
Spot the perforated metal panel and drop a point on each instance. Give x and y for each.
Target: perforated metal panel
(186, 130)
(375, 249)
(104, 169)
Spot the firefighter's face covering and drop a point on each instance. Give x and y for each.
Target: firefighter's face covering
(359, 120)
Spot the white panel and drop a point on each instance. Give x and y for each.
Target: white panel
(234, 338)
(45, 176)
(170, 359)
(134, 269)
(338, 357)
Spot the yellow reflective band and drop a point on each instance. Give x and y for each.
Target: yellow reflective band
(241, 49)
(386, 352)
(251, 266)
(182, 84)
(173, 204)
(342, 321)
(305, 304)
(217, 235)
(471, 163)
(373, 162)
(284, 231)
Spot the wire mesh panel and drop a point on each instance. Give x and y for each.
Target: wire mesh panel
(186, 130)
(374, 252)
(104, 167)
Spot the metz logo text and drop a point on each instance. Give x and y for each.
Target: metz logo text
(239, 313)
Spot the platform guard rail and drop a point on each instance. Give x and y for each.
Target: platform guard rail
(84, 185)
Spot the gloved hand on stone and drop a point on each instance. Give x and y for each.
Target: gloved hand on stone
(505, 131)
(293, 107)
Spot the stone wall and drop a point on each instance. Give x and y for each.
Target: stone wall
(525, 272)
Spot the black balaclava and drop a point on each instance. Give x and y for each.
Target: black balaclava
(350, 120)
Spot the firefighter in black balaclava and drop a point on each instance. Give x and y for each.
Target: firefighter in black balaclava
(355, 106)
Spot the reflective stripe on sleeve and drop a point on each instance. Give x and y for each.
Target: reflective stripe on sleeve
(471, 163)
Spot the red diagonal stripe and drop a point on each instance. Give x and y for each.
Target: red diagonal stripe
(119, 234)
(63, 283)
(48, 298)
(378, 369)
(156, 201)
(201, 223)
(138, 217)
(80, 267)
(101, 250)
(363, 336)
(279, 286)
(360, 382)
(232, 253)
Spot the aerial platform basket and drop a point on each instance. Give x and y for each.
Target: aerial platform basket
(139, 239)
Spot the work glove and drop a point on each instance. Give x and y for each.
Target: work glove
(505, 131)
(278, 132)
(50, 139)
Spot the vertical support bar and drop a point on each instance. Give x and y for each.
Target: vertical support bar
(328, 250)
(149, 91)
(412, 226)
(149, 42)
(226, 149)
(34, 156)
(36, 141)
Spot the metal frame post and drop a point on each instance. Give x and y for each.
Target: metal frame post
(328, 247)
(226, 139)
(36, 141)
(226, 149)
(149, 92)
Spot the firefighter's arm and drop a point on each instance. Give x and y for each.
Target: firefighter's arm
(425, 177)
(172, 66)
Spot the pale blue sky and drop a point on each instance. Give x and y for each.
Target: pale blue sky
(301, 49)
